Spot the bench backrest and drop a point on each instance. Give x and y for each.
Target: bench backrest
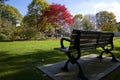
(85, 40)
(105, 39)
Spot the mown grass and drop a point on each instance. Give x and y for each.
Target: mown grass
(18, 60)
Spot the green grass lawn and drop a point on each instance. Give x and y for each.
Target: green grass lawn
(18, 60)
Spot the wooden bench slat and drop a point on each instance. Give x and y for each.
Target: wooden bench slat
(87, 41)
(89, 32)
(89, 37)
(102, 44)
(87, 48)
(88, 45)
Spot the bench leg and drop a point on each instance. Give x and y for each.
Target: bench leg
(108, 51)
(73, 60)
(113, 57)
(81, 74)
(65, 68)
(100, 56)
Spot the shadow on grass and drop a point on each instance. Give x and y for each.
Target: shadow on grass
(117, 51)
(23, 67)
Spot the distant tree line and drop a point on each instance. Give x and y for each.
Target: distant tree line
(44, 20)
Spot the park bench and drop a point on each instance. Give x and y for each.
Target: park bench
(85, 40)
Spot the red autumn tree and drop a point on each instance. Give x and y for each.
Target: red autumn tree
(57, 15)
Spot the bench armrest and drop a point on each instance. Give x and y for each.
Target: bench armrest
(62, 40)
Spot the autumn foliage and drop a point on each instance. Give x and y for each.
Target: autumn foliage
(57, 15)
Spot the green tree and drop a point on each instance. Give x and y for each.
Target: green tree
(7, 28)
(119, 28)
(77, 21)
(9, 18)
(29, 33)
(34, 11)
(87, 24)
(10, 13)
(118, 25)
(37, 6)
(44, 25)
(108, 27)
(80, 16)
(2, 1)
(29, 20)
(106, 20)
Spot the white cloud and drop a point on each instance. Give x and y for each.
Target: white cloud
(111, 7)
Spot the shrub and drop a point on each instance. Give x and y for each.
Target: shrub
(3, 37)
(30, 33)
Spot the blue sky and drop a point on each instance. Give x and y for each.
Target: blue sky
(76, 6)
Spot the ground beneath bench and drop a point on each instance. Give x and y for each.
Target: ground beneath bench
(93, 68)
